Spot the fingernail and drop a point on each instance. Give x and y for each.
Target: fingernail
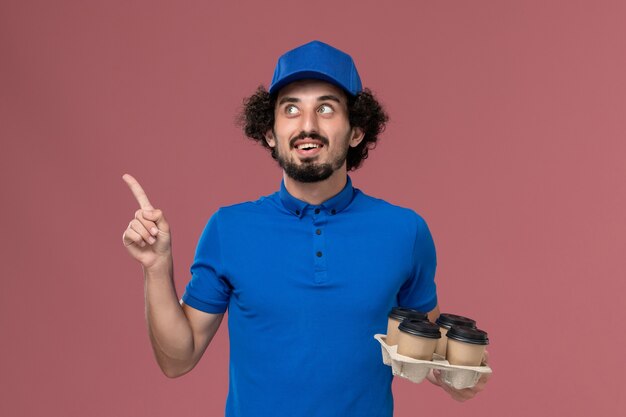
(154, 231)
(142, 244)
(151, 240)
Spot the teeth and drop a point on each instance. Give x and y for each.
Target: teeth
(308, 146)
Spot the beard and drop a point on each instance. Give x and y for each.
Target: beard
(308, 170)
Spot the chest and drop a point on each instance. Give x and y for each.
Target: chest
(280, 268)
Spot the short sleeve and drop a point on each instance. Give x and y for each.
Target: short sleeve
(419, 291)
(208, 290)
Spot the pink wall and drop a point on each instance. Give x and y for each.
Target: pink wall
(507, 135)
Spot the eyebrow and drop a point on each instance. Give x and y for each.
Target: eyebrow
(329, 97)
(320, 98)
(288, 100)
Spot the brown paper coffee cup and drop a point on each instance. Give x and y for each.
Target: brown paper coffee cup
(418, 339)
(392, 331)
(466, 346)
(445, 321)
(396, 316)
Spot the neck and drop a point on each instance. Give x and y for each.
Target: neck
(316, 193)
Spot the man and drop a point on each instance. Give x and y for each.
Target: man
(309, 273)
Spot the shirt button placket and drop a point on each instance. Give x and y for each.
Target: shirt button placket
(319, 247)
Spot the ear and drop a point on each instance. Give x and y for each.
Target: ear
(269, 138)
(357, 136)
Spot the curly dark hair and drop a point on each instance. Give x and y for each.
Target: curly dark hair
(364, 111)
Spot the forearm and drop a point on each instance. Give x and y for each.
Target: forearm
(434, 314)
(169, 330)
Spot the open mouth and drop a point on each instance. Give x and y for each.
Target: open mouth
(308, 148)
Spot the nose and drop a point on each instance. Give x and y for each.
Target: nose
(309, 122)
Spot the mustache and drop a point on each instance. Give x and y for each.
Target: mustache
(312, 135)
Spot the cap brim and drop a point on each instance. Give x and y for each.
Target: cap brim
(307, 75)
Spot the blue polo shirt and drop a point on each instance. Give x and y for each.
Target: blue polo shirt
(306, 288)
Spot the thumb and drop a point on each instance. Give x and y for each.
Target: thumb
(156, 216)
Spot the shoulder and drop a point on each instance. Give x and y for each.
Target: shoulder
(237, 213)
(378, 206)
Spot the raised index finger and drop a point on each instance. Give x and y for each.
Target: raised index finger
(138, 192)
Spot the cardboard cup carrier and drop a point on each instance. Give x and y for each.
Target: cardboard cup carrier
(413, 358)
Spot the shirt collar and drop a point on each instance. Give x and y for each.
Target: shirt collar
(333, 205)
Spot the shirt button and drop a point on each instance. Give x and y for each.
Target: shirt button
(333, 211)
(318, 232)
(298, 212)
(317, 211)
(319, 254)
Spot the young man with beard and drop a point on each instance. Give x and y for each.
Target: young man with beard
(307, 274)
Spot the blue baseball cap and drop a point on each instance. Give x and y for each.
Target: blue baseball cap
(319, 61)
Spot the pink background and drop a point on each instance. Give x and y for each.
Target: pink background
(507, 134)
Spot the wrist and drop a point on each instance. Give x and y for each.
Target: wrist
(162, 266)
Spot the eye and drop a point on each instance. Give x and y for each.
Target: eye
(325, 109)
(291, 109)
